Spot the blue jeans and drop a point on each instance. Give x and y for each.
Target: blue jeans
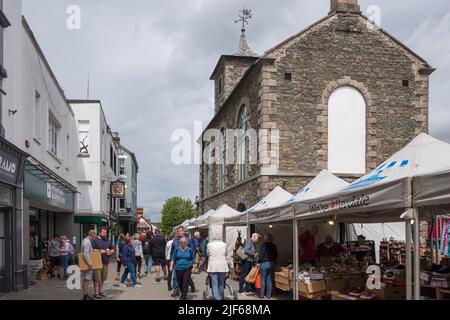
(246, 266)
(132, 271)
(218, 284)
(64, 264)
(175, 285)
(266, 269)
(148, 263)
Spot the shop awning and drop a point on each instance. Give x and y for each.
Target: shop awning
(39, 170)
(94, 219)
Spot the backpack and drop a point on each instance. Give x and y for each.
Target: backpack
(146, 246)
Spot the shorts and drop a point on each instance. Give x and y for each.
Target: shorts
(101, 275)
(159, 261)
(86, 275)
(54, 262)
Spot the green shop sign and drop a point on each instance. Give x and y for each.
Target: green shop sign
(48, 193)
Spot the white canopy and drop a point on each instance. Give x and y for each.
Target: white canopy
(275, 198)
(324, 183)
(387, 189)
(215, 225)
(202, 221)
(433, 189)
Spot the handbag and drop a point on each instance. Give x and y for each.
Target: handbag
(241, 253)
(252, 275)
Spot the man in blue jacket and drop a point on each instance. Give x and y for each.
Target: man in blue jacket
(246, 265)
(176, 244)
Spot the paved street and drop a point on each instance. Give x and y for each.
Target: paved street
(55, 289)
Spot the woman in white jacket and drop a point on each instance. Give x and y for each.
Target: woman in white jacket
(217, 266)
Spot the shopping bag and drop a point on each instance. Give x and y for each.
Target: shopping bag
(252, 275)
(258, 281)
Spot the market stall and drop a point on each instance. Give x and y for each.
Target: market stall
(383, 195)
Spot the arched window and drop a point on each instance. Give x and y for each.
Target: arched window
(347, 131)
(223, 150)
(242, 144)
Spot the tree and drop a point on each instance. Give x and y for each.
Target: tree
(174, 212)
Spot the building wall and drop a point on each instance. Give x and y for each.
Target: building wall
(96, 167)
(339, 51)
(28, 74)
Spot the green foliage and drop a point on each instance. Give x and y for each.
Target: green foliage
(115, 230)
(174, 212)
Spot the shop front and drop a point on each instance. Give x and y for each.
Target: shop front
(84, 223)
(11, 177)
(49, 203)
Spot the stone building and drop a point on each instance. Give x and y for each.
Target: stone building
(342, 94)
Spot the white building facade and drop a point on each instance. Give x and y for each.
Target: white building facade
(128, 171)
(98, 159)
(37, 119)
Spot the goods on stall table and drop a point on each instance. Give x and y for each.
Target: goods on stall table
(282, 281)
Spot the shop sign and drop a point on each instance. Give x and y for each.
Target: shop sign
(55, 194)
(9, 167)
(118, 190)
(47, 193)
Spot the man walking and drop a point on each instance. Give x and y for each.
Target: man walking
(86, 250)
(246, 265)
(103, 245)
(146, 248)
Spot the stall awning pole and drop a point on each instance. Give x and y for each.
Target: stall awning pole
(436, 235)
(295, 260)
(408, 261)
(295, 253)
(416, 254)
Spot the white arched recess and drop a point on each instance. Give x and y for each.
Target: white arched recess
(347, 131)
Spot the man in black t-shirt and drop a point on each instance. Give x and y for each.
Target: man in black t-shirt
(103, 245)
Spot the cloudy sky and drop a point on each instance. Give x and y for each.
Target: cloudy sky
(150, 62)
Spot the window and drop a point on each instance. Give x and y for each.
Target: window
(242, 144)
(121, 167)
(84, 199)
(115, 164)
(223, 154)
(111, 157)
(83, 135)
(208, 180)
(37, 116)
(219, 85)
(67, 151)
(53, 129)
(405, 83)
(288, 76)
(122, 204)
(347, 131)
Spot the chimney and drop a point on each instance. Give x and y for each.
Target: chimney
(345, 6)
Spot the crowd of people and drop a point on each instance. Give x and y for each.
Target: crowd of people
(173, 259)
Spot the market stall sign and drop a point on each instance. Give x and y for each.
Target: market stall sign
(118, 190)
(9, 167)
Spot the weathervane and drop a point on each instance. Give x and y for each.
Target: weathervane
(244, 16)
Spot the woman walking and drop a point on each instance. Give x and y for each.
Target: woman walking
(217, 267)
(137, 246)
(267, 260)
(128, 260)
(181, 263)
(119, 244)
(64, 254)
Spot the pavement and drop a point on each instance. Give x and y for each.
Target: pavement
(56, 289)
